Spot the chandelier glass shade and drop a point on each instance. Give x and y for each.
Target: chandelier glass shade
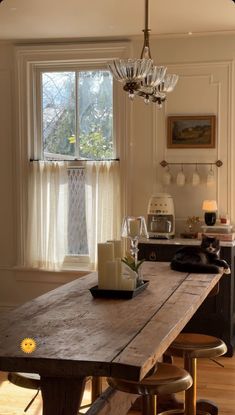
(140, 76)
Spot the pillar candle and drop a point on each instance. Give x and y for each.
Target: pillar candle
(127, 284)
(117, 248)
(111, 281)
(128, 278)
(105, 253)
(119, 272)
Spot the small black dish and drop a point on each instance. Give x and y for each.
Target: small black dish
(124, 294)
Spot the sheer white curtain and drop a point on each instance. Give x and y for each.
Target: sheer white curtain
(47, 215)
(103, 206)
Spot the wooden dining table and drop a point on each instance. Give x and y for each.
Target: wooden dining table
(77, 335)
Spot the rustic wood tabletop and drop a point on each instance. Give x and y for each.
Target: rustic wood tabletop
(77, 335)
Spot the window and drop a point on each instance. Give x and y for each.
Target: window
(76, 124)
(77, 115)
(68, 111)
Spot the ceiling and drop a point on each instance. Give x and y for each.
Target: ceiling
(56, 19)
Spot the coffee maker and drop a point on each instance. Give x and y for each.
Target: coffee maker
(161, 216)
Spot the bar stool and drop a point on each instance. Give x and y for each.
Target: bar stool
(32, 381)
(27, 381)
(166, 379)
(191, 346)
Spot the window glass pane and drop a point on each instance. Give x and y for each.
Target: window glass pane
(95, 114)
(58, 114)
(77, 232)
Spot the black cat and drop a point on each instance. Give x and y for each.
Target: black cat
(200, 259)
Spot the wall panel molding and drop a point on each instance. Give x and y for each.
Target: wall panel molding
(212, 86)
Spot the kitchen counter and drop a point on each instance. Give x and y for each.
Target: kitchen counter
(216, 316)
(181, 241)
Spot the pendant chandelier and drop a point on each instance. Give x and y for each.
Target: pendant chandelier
(140, 76)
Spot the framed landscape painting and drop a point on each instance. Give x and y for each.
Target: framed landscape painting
(191, 131)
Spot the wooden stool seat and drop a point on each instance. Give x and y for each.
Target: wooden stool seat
(197, 345)
(165, 380)
(181, 412)
(191, 346)
(25, 380)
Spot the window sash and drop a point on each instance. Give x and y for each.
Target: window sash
(36, 140)
(70, 260)
(30, 60)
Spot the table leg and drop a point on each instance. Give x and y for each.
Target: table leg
(62, 396)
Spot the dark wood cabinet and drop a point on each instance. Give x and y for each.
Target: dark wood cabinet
(216, 316)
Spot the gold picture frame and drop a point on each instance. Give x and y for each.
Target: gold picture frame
(191, 131)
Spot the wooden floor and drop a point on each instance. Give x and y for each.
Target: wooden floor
(214, 382)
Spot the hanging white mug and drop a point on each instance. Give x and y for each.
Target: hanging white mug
(166, 179)
(210, 177)
(180, 178)
(195, 177)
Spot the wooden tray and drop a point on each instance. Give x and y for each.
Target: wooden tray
(124, 294)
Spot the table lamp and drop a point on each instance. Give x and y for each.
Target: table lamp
(210, 208)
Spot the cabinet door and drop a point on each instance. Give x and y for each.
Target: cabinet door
(155, 252)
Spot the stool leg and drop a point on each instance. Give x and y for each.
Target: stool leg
(149, 405)
(190, 364)
(96, 388)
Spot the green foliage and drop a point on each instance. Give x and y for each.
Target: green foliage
(130, 262)
(95, 146)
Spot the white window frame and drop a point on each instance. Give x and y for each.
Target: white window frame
(31, 60)
(36, 144)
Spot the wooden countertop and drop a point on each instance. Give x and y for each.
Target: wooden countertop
(181, 241)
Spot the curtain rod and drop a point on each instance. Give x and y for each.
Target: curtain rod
(217, 163)
(31, 160)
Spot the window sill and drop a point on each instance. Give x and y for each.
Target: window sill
(43, 276)
(65, 270)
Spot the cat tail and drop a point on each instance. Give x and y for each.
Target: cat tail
(196, 268)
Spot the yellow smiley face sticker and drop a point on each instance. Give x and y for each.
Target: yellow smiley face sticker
(28, 345)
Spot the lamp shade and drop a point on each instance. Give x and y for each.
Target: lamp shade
(209, 206)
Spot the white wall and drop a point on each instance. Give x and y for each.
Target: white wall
(7, 246)
(205, 66)
(206, 86)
